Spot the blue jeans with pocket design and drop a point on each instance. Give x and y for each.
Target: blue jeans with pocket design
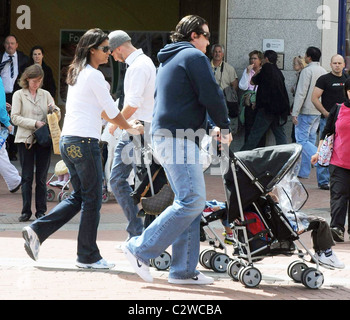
(83, 159)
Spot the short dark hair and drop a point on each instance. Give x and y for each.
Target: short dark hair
(271, 55)
(314, 53)
(186, 26)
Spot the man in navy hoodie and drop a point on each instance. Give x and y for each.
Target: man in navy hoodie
(186, 91)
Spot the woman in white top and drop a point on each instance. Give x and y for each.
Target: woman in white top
(255, 62)
(88, 100)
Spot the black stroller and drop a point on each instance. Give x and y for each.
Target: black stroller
(153, 193)
(251, 178)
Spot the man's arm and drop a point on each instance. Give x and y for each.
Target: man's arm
(315, 98)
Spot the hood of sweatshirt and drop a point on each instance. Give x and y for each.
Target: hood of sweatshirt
(172, 49)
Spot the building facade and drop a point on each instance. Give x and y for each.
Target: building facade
(288, 26)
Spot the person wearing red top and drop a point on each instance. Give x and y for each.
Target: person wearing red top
(339, 167)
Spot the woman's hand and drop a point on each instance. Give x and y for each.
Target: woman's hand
(314, 159)
(39, 124)
(50, 108)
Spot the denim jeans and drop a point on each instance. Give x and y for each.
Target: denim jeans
(306, 134)
(179, 224)
(123, 163)
(322, 172)
(262, 123)
(83, 159)
(39, 158)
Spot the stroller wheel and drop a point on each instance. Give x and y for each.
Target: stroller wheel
(249, 276)
(233, 268)
(296, 269)
(205, 257)
(63, 196)
(312, 278)
(50, 195)
(162, 262)
(219, 262)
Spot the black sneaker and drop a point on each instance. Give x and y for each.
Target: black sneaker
(324, 187)
(338, 234)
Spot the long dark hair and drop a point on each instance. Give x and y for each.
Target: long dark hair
(32, 51)
(186, 26)
(91, 39)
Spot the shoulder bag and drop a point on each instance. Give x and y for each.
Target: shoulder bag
(41, 136)
(326, 150)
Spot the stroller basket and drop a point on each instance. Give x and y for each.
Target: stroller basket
(257, 171)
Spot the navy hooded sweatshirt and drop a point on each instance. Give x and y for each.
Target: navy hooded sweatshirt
(186, 90)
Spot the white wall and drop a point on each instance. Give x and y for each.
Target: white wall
(297, 22)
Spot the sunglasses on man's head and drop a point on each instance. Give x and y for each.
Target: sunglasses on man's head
(105, 49)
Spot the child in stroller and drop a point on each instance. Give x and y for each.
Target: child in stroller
(251, 178)
(285, 194)
(62, 182)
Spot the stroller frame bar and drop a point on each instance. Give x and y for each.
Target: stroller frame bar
(235, 162)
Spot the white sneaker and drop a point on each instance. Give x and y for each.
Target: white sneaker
(198, 279)
(53, 183)
(331, 261)
(120, 247)
(140, 268)
(32, 243)
(100, 264)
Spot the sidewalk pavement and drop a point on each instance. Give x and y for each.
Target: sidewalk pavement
(55, 277)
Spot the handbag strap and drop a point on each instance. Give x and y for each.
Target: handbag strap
(149, 184)
(336, 115)
(26, 142)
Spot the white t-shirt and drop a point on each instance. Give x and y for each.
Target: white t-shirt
(139, 85)
(85, 102)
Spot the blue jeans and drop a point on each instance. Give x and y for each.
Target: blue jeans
(179, 224)
(322, 172)
(306, 134)
(262, 123)
(123, 163)
(83, 159)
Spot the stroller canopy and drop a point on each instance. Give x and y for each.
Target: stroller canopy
(269, 165)
(258, 171)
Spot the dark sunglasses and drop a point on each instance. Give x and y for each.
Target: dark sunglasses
(205, 34)
(105, 49)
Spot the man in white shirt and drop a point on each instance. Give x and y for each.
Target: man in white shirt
(139, 87)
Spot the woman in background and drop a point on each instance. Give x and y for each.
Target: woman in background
(37, 56)
(30, 107)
